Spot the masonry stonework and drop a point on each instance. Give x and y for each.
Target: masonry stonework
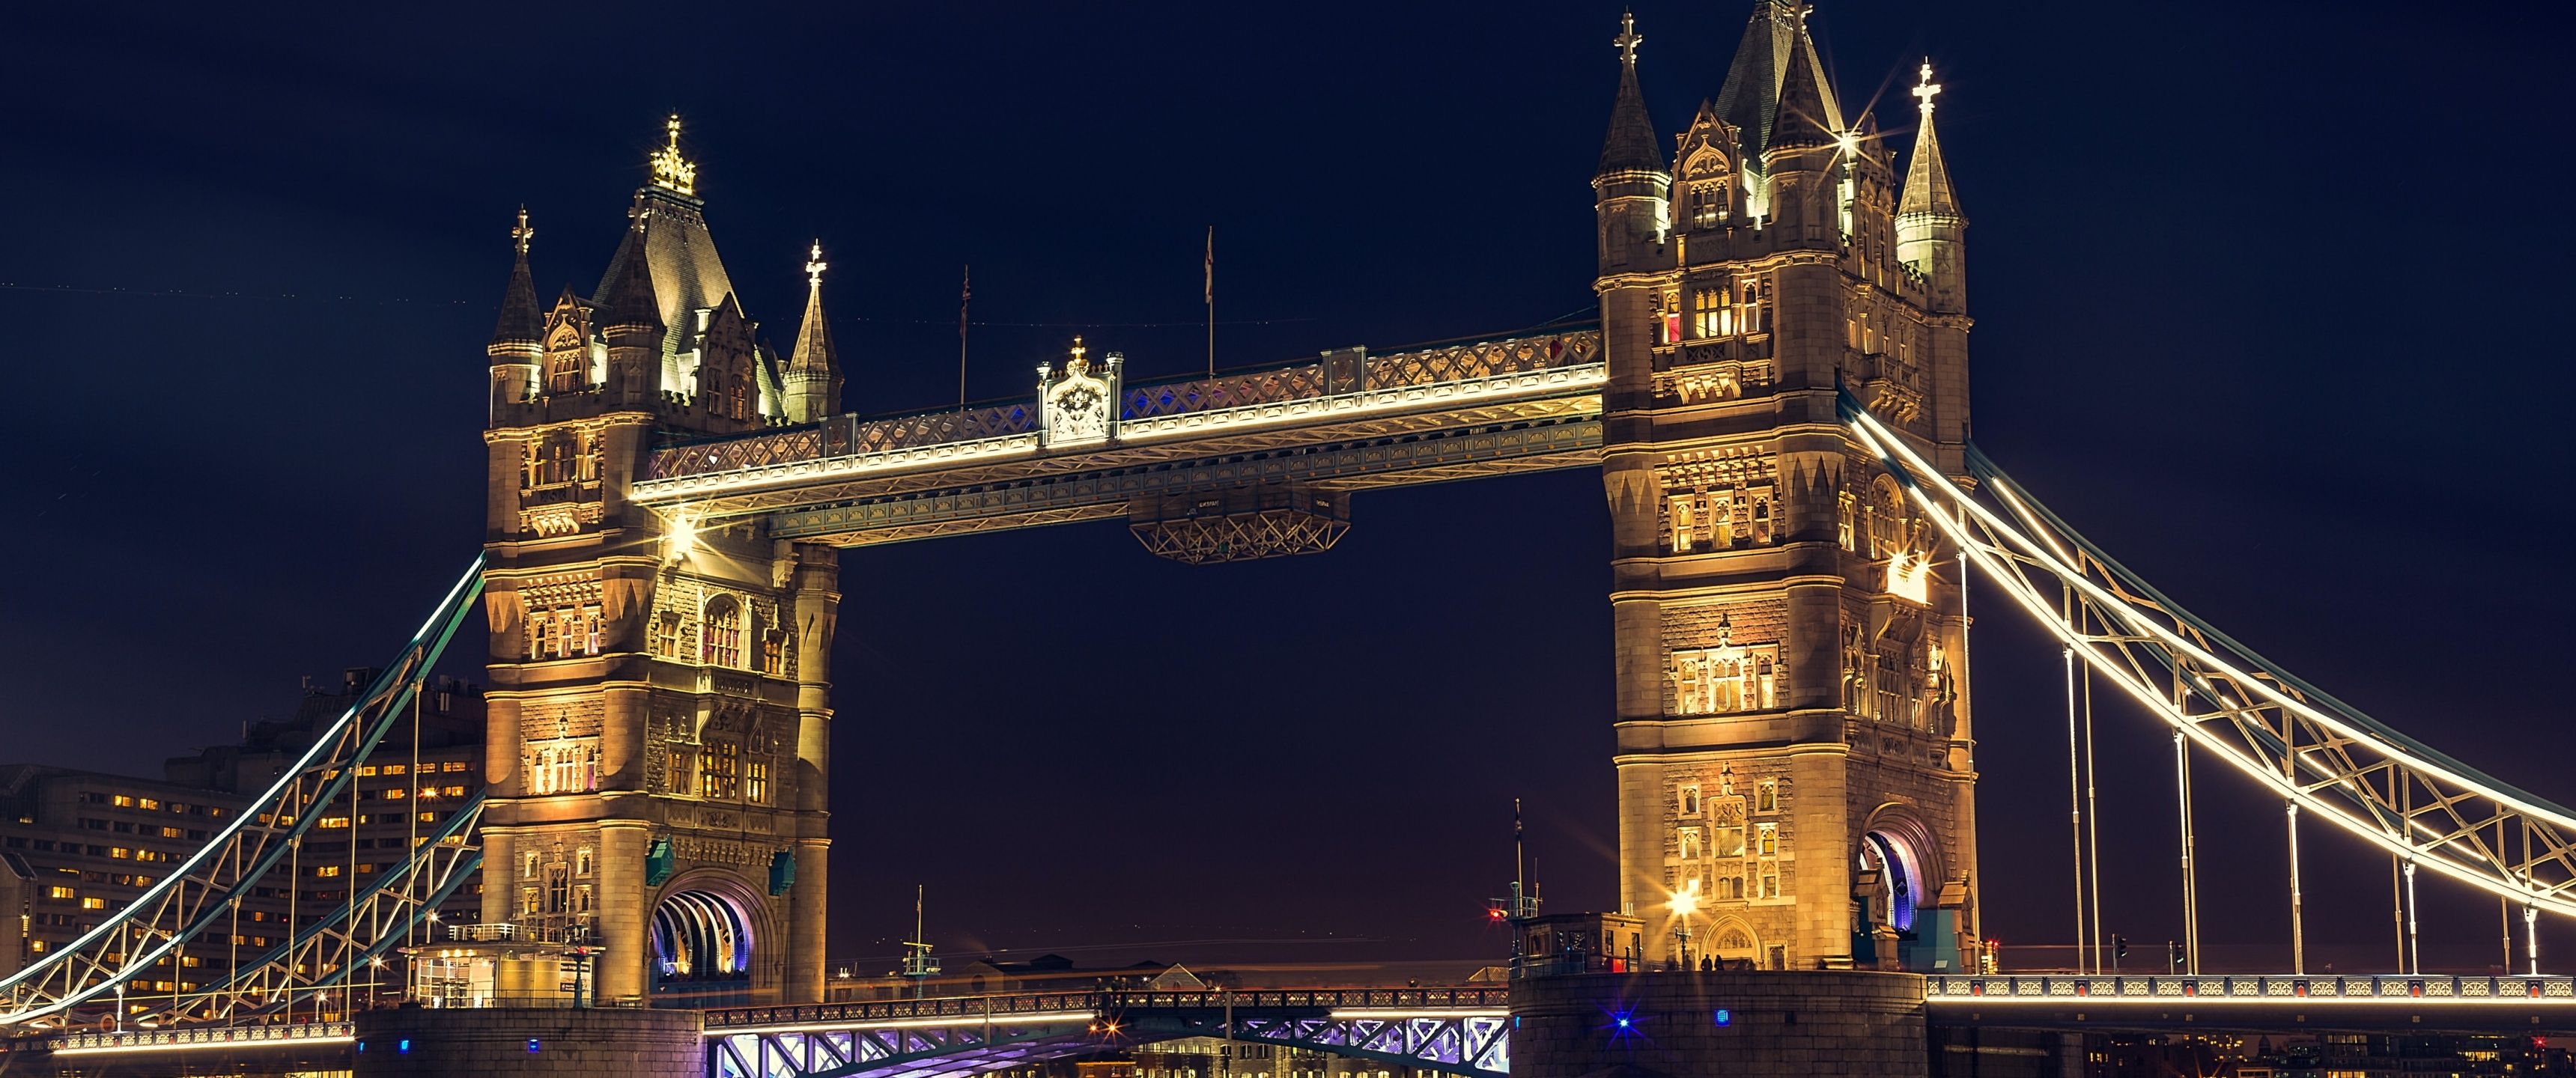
(1791, 710)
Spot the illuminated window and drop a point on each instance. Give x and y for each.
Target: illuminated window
(1690, 843)
(59, 891)
(455, 766)
(452, 791)
(1670, 322)
(1752, 305)
(120, 853)
(1846, 199)
(1717, 681)
(1690, 799)
(394, 769)
(395, 793)
(773, 652)
(148, 803)
(756, 782)
(1728, 838)
(1706, 204)
(1770, 880)
(174, 832)
(590, 624)
(124, 801)
(683, 769)
(326, 871)
(1766, 840)
(1766, 797)
(716, 778)
(1709, 317)
(366, 771)
(721, 641)
(666, 635)
(1683, 510)
(581, 861)
(429, 817)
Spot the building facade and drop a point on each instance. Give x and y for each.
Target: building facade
(660, 716)
(1793, 743)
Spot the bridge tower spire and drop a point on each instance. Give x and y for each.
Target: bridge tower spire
(1790, 706)
(660, 707)
(518, 338)
(813, 366)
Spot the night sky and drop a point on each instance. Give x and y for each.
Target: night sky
(2265, 301)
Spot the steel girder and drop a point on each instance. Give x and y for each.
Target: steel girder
(1462, 1031)
(1395, 460)
(2320, 754)
(212, 882)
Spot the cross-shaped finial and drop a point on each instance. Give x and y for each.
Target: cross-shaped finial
(1927, 87)
(1077, 363)
(814, 266)
(521, 235)
(1628, 39)
(673, 126)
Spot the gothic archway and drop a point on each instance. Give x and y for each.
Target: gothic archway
(709, 942)
(1898, 847)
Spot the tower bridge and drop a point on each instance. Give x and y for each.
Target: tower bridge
(1775, 395)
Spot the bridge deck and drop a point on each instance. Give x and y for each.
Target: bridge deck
(1355, 422)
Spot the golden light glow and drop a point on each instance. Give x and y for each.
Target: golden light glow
(1909, 576)
(669, 168)
(681, 541)
(1685, 901)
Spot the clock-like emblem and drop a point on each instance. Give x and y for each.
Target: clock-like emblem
(1077, 404)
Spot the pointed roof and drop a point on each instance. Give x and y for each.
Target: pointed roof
(669, 242)
(813, 352)
(521, 322)
(1775, 43)
(1630, 146)
(1927, 177)
(627, 296)
(1804, 118)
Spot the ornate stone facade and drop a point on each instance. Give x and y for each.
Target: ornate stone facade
(1795, 775)
(659, 720)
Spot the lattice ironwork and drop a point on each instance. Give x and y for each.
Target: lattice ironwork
(1484, 359)
(1454, 1030)
(2322, 755)
(203, 890)
(1242, 523)
(346, 944)
(2413, 990)
(851, 436)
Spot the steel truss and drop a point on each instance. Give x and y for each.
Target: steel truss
(2320, 753)
(1463, 1031)
(348, 938)
(206, 890)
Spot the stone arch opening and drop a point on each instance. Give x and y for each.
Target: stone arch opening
(1732, 939)
(700, 937)
(1899, 848)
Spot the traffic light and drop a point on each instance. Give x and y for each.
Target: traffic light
(2173, 954)
(2119, 947)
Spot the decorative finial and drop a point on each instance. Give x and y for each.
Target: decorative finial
(814, 266)
(669, 168)
(1628, 39)
(1927, 88)
(1077, 364)
(520, 236)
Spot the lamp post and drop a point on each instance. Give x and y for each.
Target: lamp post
(120, 1006)
(1683, 903)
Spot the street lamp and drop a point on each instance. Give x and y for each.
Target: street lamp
(1683, 903)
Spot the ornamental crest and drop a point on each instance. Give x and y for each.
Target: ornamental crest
(1076, 406)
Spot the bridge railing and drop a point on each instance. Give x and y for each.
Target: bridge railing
(1340, 373)
(162, 1040)
(2243, 988)
(1111, 1001)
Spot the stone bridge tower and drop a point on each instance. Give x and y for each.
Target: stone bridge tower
(660, 714)
(1793, 740)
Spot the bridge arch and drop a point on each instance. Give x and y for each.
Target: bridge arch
(711, 938)
(1898, 843)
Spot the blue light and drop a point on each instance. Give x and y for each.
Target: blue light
(1623, 1023)
(1725, 1017)
(532, 1044)
(403, 1046)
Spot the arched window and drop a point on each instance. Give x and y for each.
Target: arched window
(721, 642)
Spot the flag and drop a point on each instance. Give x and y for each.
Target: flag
(1211, 265)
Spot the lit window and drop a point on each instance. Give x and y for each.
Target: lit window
(1706, 204)
(1766, 797)
(455, 766)
(582, 861)
(429, 817)
(684, 769)
(1683, 510)
(1690, 843)
(59, 891)
(756, 782)
(124, 801)
(1716, 681)
(366, 771)
(393, 769)
(716, 778)
(1766, 838)
(722, 641)
(1708, 317)
(326, 871)
(148, 803)
(174, 832)
(666, 635)
(120, 853)
(394, 794)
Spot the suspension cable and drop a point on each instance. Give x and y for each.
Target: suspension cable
(2092, 812)
(2075, 805)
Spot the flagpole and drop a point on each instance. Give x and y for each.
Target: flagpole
(965, 295)
(1211, 300)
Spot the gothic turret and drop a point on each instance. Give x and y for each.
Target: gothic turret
(1631, 187)
(630, 316)
(1930, 230)
(1775, 43)
(1806, 134)
(814, 367)
(519, 337)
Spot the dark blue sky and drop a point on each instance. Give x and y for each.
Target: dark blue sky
(2266, 299)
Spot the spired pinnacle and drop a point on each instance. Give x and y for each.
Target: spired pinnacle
(814, 266)
(1927, 177)
(670, 170)
(1631, 145)
(1926, 88)
(521, 322)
